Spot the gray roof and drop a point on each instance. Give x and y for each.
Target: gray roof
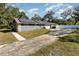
(24, 21)
(27, 21)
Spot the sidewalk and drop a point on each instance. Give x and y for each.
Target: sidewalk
(18, 37)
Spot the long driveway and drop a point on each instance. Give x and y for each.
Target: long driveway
(27, 47)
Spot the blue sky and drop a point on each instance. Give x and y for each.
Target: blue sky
(41, 8)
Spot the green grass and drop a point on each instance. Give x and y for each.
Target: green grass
(72, 37)
(6, 38)
(60, 49)
(66, 46)
(77, 23)
(33, 33)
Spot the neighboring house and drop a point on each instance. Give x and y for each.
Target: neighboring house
(25, 24)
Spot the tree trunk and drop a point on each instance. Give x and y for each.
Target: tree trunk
(75, 21)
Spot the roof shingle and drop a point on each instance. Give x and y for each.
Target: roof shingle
(27, 21)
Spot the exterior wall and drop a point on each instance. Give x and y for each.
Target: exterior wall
(47, 27)
(28, 27)
(66, 26)
(19, 28)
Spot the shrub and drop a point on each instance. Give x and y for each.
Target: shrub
(68, 23)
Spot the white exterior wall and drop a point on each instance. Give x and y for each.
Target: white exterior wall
(28, 27)
(66, 26)
(19, 28)
(47, 27)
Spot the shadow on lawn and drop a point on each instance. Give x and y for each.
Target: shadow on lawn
(6, 31)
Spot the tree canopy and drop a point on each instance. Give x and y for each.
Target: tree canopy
(48, 17)
(36, 18)
(8, 13)
(76, 14)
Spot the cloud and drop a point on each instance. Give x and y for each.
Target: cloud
(60, 11)
(21, 10)
(53, 6)
(60, 18)
(46, 4)
(67, 8)
(33, 11)
(60, 4)
(49, 8)
(12, 4)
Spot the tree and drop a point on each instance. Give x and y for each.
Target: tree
(66, 13)
(76, 14)
(8, 13)
(2, 11)
(48, 17)
(22, 15)
(14, 12)
(36, 18)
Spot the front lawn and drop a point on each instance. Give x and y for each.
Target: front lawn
(65, 46)
(6, 38)
(33, 33)
(72, 37)
(60, 49)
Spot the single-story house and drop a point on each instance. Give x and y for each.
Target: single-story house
(25, 24)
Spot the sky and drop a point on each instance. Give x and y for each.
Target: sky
(41, 8)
